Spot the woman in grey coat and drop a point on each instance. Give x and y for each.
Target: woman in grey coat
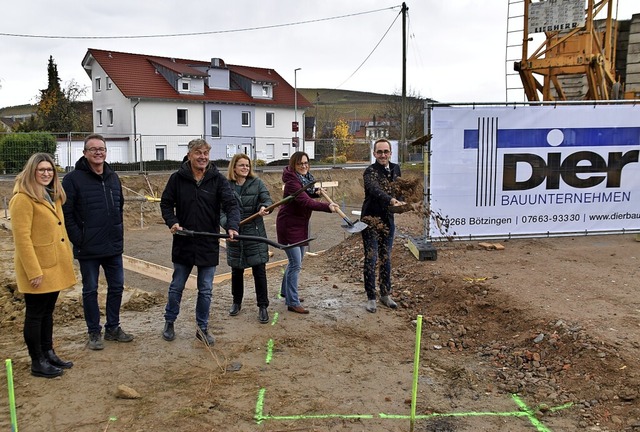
(253, 197)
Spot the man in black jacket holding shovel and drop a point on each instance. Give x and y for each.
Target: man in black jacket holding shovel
(192, 200)
(379, 194)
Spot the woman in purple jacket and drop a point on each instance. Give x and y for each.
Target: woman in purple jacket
(292, 223)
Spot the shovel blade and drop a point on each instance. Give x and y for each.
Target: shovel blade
(355, 227)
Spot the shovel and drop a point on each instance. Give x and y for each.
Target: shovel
(189, 233)
(351, 227)
(279, 203)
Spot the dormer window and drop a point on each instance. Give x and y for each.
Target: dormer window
(186, 85)
(262, 90)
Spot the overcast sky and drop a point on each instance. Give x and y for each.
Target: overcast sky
(456, 48)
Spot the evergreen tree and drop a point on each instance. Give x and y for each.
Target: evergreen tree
(55, 111)
(58, 109)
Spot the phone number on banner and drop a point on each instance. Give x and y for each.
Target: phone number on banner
(497, 221)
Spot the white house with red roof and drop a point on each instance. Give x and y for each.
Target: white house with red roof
(150, 107)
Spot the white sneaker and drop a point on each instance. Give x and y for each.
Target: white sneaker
(371, 306)
(388, 302)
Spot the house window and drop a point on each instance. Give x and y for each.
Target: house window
(109, 83)
(186, 86)
(246, 118)
(271, 150)
(182, 117)
(215, 124)
(110, 117)
(160, 152)
(99, 117)
(266, 91)
(271, 119)
(98, 84)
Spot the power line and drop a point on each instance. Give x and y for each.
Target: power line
(371, 53)
(199, 33)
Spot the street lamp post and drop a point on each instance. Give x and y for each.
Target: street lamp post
(295, 101)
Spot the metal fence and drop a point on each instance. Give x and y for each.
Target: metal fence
(143, 153)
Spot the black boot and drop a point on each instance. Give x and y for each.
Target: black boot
(235, 309)
(57, 361)
(168, 333)
(263, 315)
(41, 367)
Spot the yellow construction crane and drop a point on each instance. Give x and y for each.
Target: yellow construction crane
(574, 47)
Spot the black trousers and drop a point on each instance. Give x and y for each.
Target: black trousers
(38, 322)
(260, 280)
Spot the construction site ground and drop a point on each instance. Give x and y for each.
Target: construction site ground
(540, 335)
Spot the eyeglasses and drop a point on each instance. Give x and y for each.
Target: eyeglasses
(381, 152)
(97, 150)
(44, 170)
(302, 163)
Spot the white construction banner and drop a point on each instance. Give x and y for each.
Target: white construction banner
(534, 170)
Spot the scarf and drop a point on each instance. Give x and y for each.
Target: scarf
(305, 180)
(48, 195)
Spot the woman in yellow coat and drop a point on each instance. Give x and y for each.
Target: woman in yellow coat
(43, 258)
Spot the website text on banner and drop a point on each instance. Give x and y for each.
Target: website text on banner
(529, 170)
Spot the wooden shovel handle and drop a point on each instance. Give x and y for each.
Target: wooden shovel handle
(340, 212)
(279, 203)
(271, 207)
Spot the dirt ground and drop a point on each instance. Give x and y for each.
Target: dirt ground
(543, 335)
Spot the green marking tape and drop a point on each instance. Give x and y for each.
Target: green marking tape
(269, 351)
(561, 407)
(416, 365)
(320, 416)
(275, 318)
(530, 414)
(12, 396)
(261, 417)
(524, 410)
(260, 406)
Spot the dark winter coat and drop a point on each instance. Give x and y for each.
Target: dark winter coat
(292, 222)
(93, 211)
(379, 190)
(253, 195)
(197, 207)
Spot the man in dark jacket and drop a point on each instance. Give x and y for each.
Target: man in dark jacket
(377, 239)
(192, 200)
(93, 218)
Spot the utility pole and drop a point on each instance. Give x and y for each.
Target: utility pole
(295, 108)
(403, 122)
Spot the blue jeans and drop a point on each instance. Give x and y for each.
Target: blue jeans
(377, 244)
(289, 286)
(205, 287)
(114, 274)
